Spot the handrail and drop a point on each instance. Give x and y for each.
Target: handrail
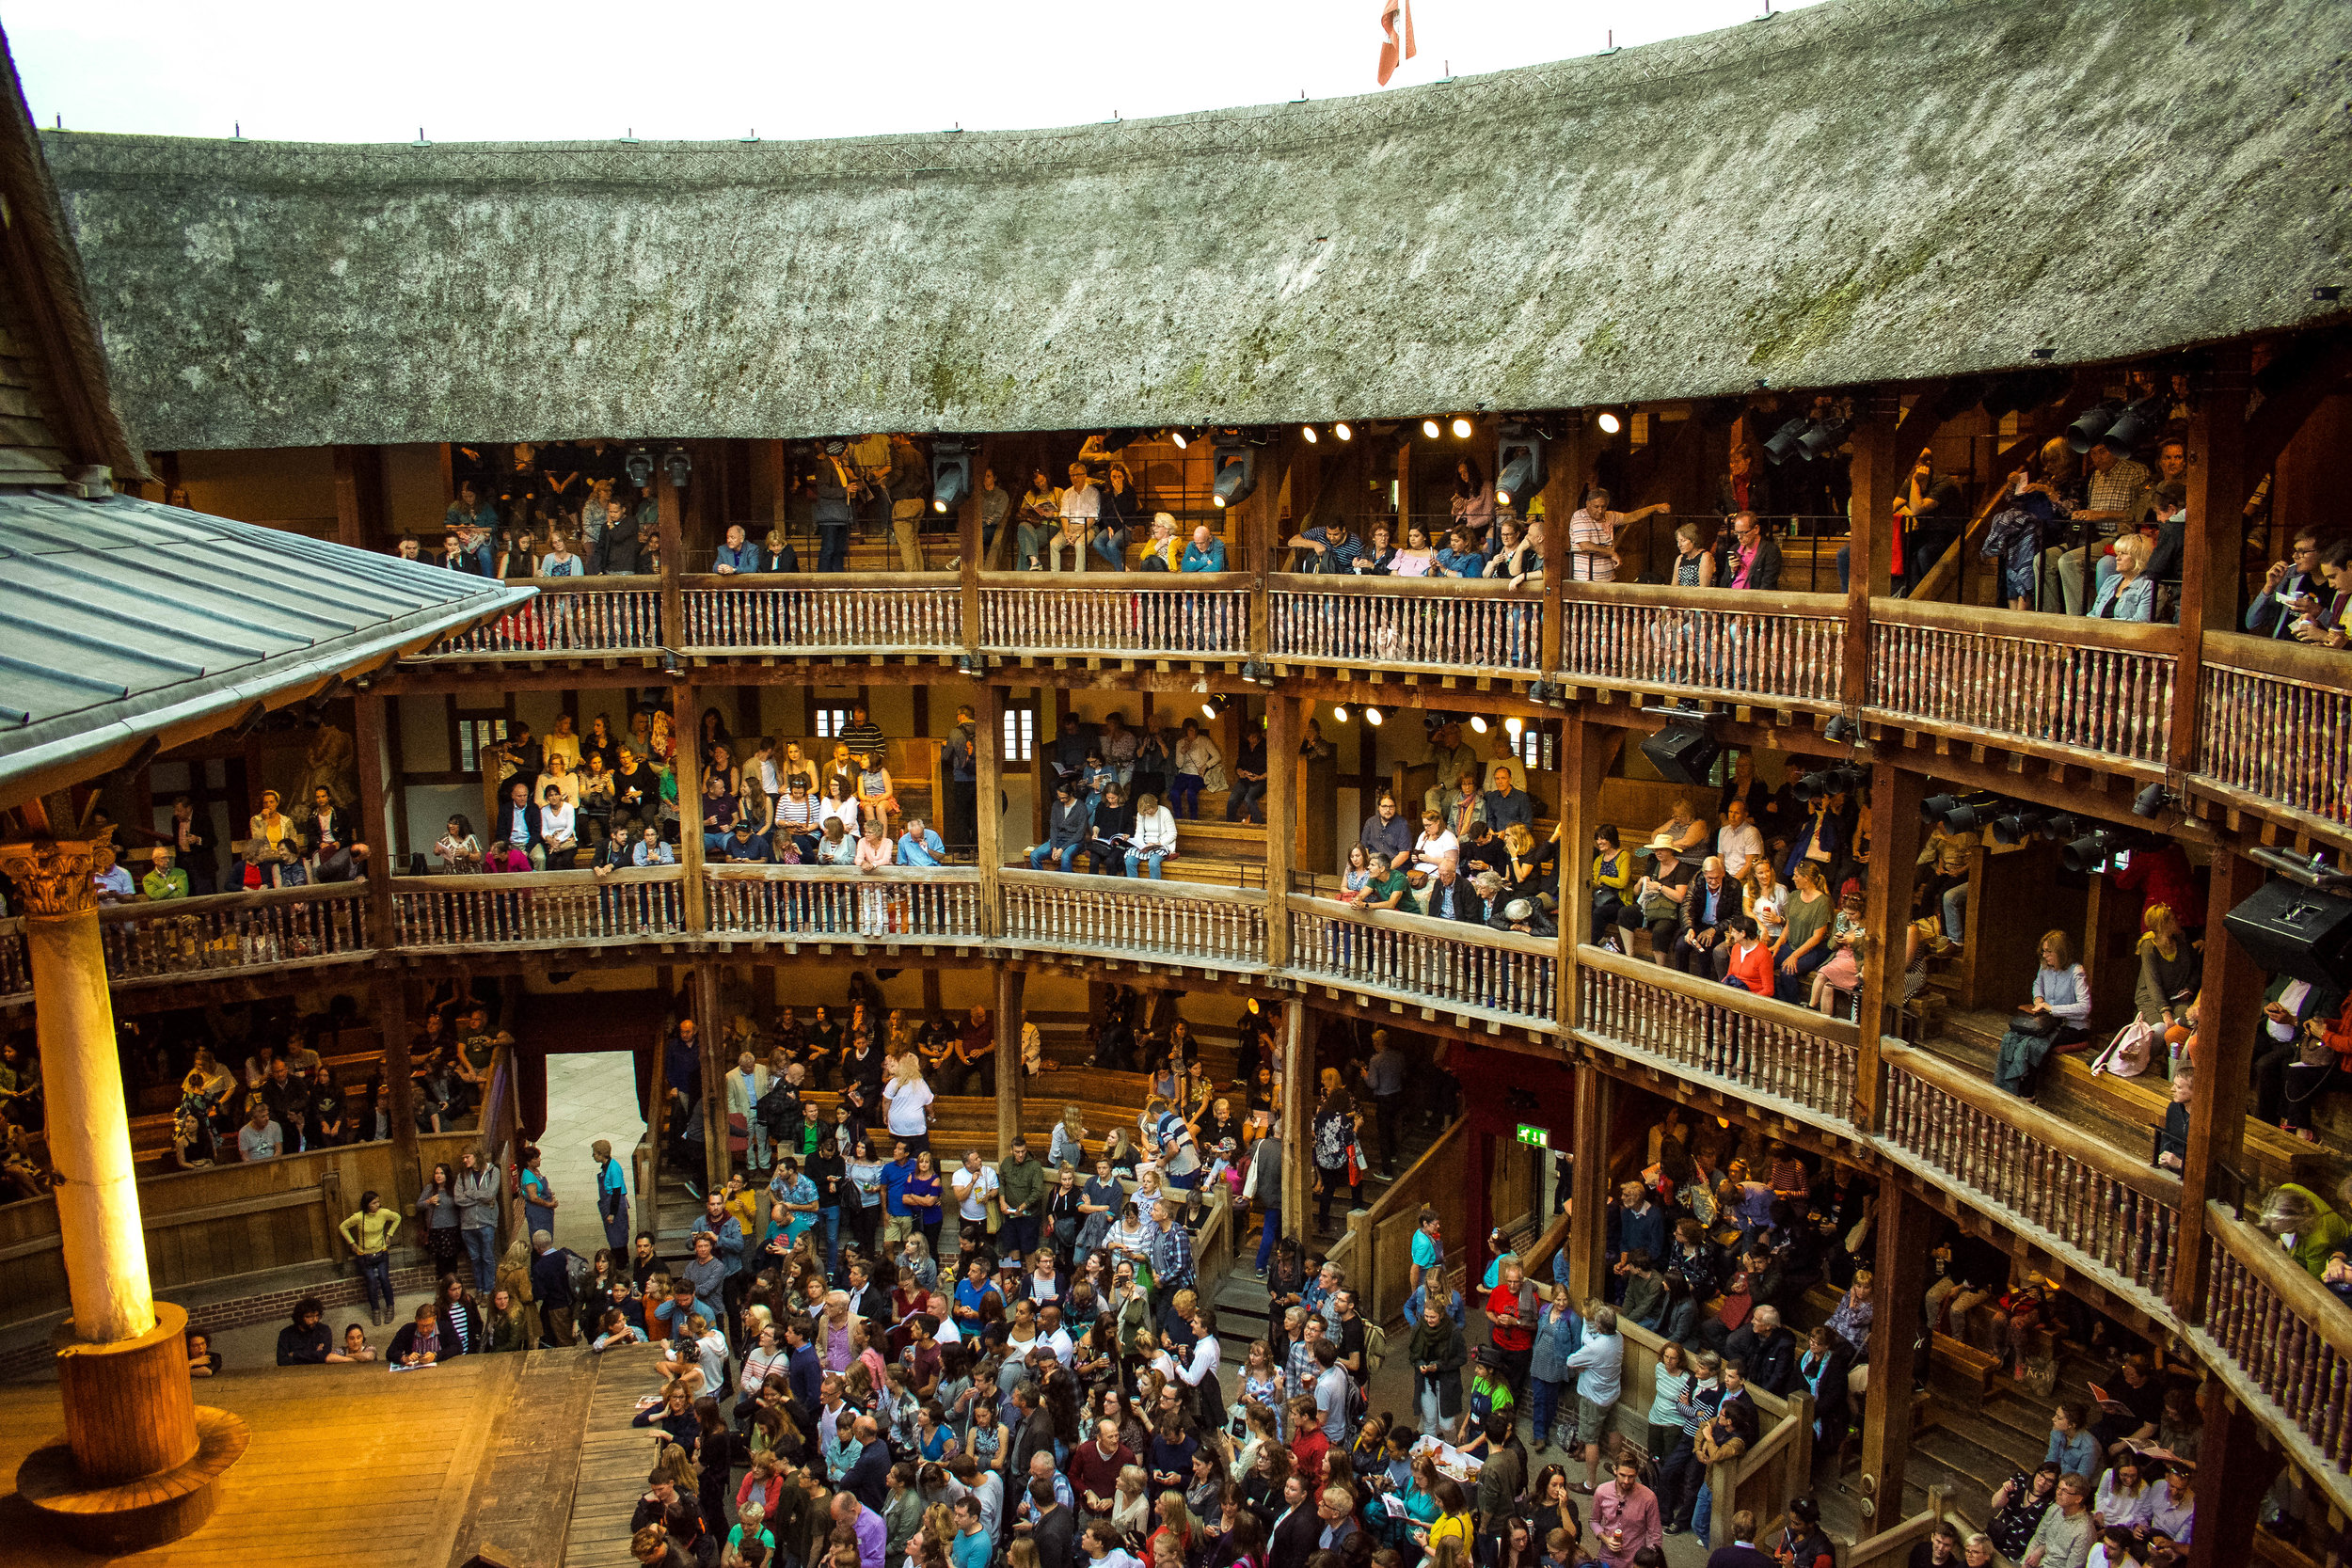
(477, 881)
(1405, 623)
(2300, 662)
(1141, 582)
(1899, 1537)
(1421, 925)
(2275, 727)
(1501, 976)
(1406, 1194)
(2284, 1344)
(1780, 648)
(1987, 621)
(1777, 601)
(816, 579)
(2311, 1303)
(924, 874)
(1785, 1013)
(1150, 887)
(1764, 1047)
(210, 903)
(1432, 588)
(2031, 1119)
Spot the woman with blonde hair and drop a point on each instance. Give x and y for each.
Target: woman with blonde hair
(907, 1102)
(1131, 1504)
(1068, 1142)
(2170, 971)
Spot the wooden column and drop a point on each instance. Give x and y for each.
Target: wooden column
(2212, 562)
(685, 731)
(359, 497)
(2237, 1465)
(711, 1031)
(1588, 1183)
(375, 828)
(1895, 837)
(1299, 1102)
(1585, 752)
(1281, 809)
(1873, 473)
(987, 719)
(2229, 1015)
(1011, 983)
(390, 994)
(671, 530)
(1899, 1293)
(969, 551)
(1562, 459)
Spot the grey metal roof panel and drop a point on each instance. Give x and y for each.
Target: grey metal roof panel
(122, 617)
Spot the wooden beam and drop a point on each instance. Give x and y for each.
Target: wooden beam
(670, 534)
(686, 759)
(1585, 754)
(987, 719)
(1009, 985)
(1900, 1282)
(1281, 810)
(710, 1036)
(1588, 1183)
(2213, 567)
(1298, 1099)
(1895, 837)
(390, 995)
(1868, 512)
(2228, 1013)
(2236, 1468)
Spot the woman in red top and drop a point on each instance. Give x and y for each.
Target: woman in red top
(1750, 957)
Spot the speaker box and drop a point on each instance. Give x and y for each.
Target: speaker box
(1681, 753)
(2291, 929)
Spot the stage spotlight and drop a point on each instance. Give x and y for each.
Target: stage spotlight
(1235, 464)
(1339, 713)
(951, 475)
(1513, 725)
(1177, 436)
(1824, 437)
(1309, 432)
(1430, 429)
(2152, 800)
(2016, 825)
(2091, 424)
(2133, 425)
(1520, 458)
(1841, 730)
(678, 466)
(1932, 808)
(1610, 425)
(1478, 723)
(2090, 851)
(1372, 717)
(2059, 827)
(1968, 818)
(1461, 428)
(639, 467)
(1782, 444)
(1343, 431)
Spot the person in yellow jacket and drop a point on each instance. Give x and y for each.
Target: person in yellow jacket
(370, 1232)
(2306, 1226)
(1612, 873)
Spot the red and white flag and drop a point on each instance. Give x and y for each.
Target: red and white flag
(1395, 51)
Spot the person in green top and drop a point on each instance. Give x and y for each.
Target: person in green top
(1388, 890)
(370, 1232)
(2306, 1227)
(167, 880)
(1021, 1188)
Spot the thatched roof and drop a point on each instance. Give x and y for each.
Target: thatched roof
(1864, 190)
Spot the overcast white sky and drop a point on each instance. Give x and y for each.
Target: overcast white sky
(501, 71)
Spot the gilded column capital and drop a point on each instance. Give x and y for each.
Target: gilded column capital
(53, 876)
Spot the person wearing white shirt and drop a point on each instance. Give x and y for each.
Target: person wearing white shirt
(1081, 506)
(558, 825)
(1434, 841)
(1154, 837)
(1202, 1364)
(1738, 842)
(973, 1183)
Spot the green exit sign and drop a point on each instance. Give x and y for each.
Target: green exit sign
(1538, 1138)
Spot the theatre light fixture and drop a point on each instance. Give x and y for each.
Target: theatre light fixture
(951, 475)
(1429, 428)
(1841, 731)
(1782, 444)
(639, 467)
(2091, 424)
(1461, 427)
(1178, 435)
(1309, 432)
(1478, 723)
(1824, 437)
(2089, 852)
(1372, 717)
(1235, 464)
(1513, 725)
(1343, 431)
(1519, 456)
(1610, 425)
(2152, 800)
(2016, 825)
(1339, 713)
(2131, 427)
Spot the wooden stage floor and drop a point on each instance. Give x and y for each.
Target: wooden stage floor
(356, 1467)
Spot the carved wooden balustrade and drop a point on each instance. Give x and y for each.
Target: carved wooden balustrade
(272, 929)
(2100, 688)
(2276, 729)
(1183, 923)
(1443, 624)
(838, 613)
(1442, 965)
(1704, 1026)
(571, 616)
(2089, 1202)
(1187, 615)
(888, 904)
(1778, 648)
(2285, 1333)
(539, 908)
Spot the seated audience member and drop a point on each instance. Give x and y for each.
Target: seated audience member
(167, 880)
(650, 850)
(1205, 553)
(2055, 1017)
(1328, 548)
(1161, 552)
(1708, 906)
(1112, 830)
(2129, 595)
(1154, 838)
(919, 846)
(2272, 610)
(1068, 823)
(1745, 557)
(1748, 958)
(2325, 619)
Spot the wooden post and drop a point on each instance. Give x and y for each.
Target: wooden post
(359, 496)
(2229, 1012)
(1583, 758)
(1899, 1292)
(687, 759)
(1588, 1181)
(2238, 1464)
(1011, 983)
(1869, 509)
(1281, 809)
(1895, 835)
(390, 995)
(2212, 562)
(1562, 458)
(987, 719)
(1298, 1100)
(969, 551)
(670, 529)
(710, 1036)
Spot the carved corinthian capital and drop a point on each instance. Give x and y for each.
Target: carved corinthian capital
(51, 879)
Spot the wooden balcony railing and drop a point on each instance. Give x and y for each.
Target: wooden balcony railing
(273, 928)
(1704, 1026)
(2286, 1334)
(1443, 624)
(2065, 683)
(571, 616)
(887, 904)
(2276, 728)
(540, 907)
(1440, 963)
(1777, 647)
(1189, 615)
(1191, 924)
(842, 612)
(2090, 1202)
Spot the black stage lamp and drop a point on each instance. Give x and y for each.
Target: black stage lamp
(1782, 445)
(1520, 456)
(2151, 801)
(2088, 852)
(1824, 437)
(951, 475)
(2135, 424)
(1235, 464)
(2091, 424)
(2016, 825)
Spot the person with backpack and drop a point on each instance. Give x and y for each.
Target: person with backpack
(1600, 1365)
